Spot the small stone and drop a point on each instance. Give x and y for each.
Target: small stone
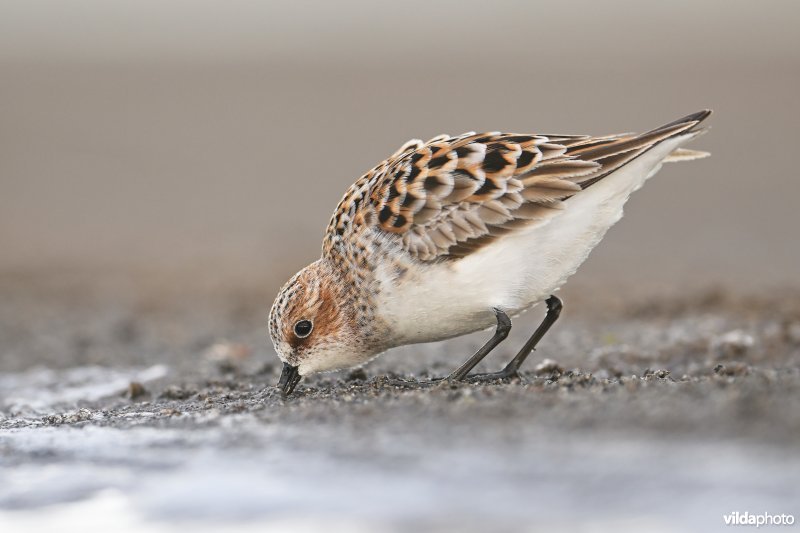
(548, 366)
(658, 374)
(730, 345)
(53, 420)
(81, 415)
(357, 374)
(175, 392)
(136, 390)
(735, 368)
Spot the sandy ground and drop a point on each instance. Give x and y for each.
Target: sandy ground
(153, 405)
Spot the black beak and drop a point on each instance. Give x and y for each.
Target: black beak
(290, 377)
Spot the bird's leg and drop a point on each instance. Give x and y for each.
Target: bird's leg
(503, 327)
(554, 306)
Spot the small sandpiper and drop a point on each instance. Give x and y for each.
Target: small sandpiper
(457, 234)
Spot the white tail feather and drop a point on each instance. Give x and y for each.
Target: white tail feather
(684, 154)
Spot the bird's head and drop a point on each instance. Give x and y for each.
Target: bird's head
(314, 325)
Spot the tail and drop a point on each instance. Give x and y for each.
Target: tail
(684, 154)
(612, 152)
(683, 127)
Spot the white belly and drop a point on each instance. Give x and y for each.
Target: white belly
(516, 271)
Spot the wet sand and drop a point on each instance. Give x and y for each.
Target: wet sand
(156, 407)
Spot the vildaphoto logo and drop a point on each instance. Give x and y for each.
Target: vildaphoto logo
(764, 519)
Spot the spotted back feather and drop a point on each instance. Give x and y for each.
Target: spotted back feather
(447, 197)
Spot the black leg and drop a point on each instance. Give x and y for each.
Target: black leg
(554, 306)
(503, 327)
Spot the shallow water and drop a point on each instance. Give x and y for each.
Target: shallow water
(169, 477)
(137, 468)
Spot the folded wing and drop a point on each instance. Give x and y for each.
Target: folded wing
(447, 197)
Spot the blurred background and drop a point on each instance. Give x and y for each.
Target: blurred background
(165, 165)
(205, 140)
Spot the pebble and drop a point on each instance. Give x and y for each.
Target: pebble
(357, 374)
(175, 392)
(548, 366)
(136, 390)
(732, 369)
(733, 344)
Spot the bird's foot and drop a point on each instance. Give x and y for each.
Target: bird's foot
(505, 375)
(412, 383)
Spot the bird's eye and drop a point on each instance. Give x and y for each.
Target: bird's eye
(303, 328)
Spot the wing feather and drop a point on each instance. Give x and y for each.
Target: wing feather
(447, 197)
